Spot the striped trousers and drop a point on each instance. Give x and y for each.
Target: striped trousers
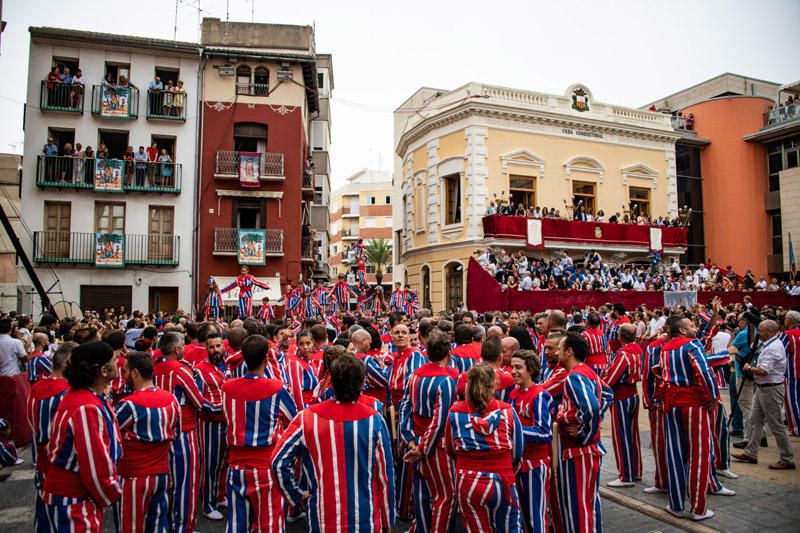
(215, 448)
(484, 503)
(658, 444)
(73, 515)
(689, 453)
(721, 438)
(184, 477)
(404, 476)
(578, 496)
(625, 438)
(792, 405)
(255, 503)
(144, 506)
(533, 487)
(245, 307)
(433, 493)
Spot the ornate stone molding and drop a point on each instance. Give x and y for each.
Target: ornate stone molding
(639, 171)
(433, 192)
(477, 176)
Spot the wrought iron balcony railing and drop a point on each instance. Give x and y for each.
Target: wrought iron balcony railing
(59, 96)
(226, 241)
(116, 102)
(79, 173)
(252, 89)
(79, 248)
(227, 164)
(166, 105)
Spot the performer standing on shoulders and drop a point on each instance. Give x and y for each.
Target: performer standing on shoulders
(244, 282)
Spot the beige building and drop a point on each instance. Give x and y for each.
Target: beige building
(12, 295)
(362, 209)
(456, 151)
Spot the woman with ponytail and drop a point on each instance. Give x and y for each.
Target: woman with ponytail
(485, 438)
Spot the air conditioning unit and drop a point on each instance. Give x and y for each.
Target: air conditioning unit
(285, 74)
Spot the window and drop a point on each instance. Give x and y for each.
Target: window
(782, 155)
(387, 222)
(319, 135)
(388, 269)
(426, 287)
(248, 213)
(335, 249)
(64, 63)
(388, 200)
(523, 190)
(261, 81)
(322, 82)
(584, 192)
(370, 269)
(116, 142)
(369, 222)
(167, 75)
(334, 271)
(161, 227)
(777, 234)
(453, 286)
(162, 142)
(250, 137)
(109, 218)
(118, 71)
(57, 229)
(370, 200)
(639, 201)
(452, 199)
(242, 79)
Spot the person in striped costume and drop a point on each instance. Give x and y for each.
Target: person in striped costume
(534, 407)
(340, 294)
(302, 377)
(485, 439)
(397, 302)
(256, 408)
(213, 429)
(213, 300)
(320, 294)
(622, 374)
(148, 419)
(653, 401)
(345, 451)
(618, 318)
(690, 393)
(429, 393)
(584, 401)
(176, 376)
(39, 365)
(791, 341)
(245, 283)
(467, 352)
(8, 449)
(598, 345)
(266, 313)
(377, 379)
(84, 445)
(43, 400)
(411, 302)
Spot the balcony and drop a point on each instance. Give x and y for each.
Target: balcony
(226, 242)
(350, 233)
(308, 186)
(350, 212)
(115, 103)
(780, 115)
(307, 249)
(57, 96)
(252, 89)
(166, 105)
(62, 172)
(227, 165)
(560, 234)
(322, 161)
(79, 248)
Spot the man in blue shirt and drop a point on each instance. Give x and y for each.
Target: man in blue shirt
(742, 394)
(154, 96)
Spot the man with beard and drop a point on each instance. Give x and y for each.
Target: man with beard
(212, 425)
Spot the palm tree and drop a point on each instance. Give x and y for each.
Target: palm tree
(378, 253)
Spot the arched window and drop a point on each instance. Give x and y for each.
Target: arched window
(453, 286)
(426, 287)
(243, 85)
(261, 81)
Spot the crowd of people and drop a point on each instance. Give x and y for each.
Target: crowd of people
(500, 206)
(522, 272)
(70, 164)
(492, 419)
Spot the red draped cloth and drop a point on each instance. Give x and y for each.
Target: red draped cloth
(560, 230)
(14, 393)
(484, 294)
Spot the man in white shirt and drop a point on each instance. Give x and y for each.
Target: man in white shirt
(11, 350)
(762, 284)
(720, 341)
(769, 373)
(703, 273)
(795, 290)
(675, 267)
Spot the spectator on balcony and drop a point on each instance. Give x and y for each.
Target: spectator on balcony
(50, 152)
(179, 99)
(773, 286)
(108, 81)
(102, 151)
(761, 285)
(537, 212)
(168, 106)
(79, 156)
(129, 157)
(66, 164)
(88, 167)
(530, 211)
(155, 96)
(690, 122)
(76, 92)
(492, 209)
(520, 211)
(166, 169)
(580, 213)
(512, 281)
(53, 83)
(601, 216)
(140, 157)
(308, 167)
(152, 157)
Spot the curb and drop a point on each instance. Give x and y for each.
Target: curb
(654, 512)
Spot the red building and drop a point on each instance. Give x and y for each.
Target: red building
(259, 95)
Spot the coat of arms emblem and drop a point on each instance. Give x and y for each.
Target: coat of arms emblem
(580, 99)
(598, 232)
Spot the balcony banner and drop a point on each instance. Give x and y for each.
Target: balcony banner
(249, 166)
(655, 240)
(109, 250)
(252, 243)
(535, 239)
(114, 102)
(108, 175)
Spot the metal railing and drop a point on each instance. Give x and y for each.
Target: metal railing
(307, 247)
(350, 232)
(227, 163)
(79, 248)
(253, 89)
(226, 241)
(59, 96)
(308, 181)
(347, 211)
(781, 114)
(115, 102)
(79, 173)
(166, 104)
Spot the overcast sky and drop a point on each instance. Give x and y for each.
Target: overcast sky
(627, 52)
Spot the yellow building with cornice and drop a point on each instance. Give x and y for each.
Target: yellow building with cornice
(457, 150)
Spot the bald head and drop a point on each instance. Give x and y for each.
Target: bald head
(556, 319)
(510, 347)
(627, 333)
(767, 329)
(361, 340)
(494, 331)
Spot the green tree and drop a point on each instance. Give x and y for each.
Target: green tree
(378, 253)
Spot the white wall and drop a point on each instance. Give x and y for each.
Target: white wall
(86, 126)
